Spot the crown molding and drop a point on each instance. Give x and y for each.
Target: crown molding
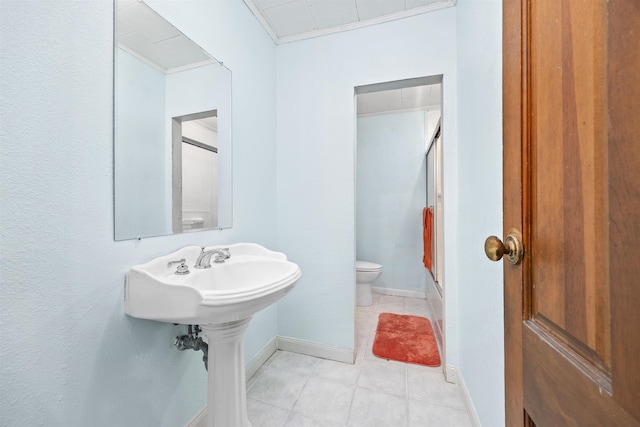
(443, 4)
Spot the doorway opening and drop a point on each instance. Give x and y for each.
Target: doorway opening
(399, 137)
(195, 171)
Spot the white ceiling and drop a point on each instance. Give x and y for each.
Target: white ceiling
(411, 98)
(291, 20)
(140, 30)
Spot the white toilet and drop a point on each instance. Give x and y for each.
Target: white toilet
(366, 273)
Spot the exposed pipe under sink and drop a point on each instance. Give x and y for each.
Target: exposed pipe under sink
(194, 342)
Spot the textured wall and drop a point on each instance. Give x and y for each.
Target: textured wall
(480, 299)
(316, 163)
(70, 357)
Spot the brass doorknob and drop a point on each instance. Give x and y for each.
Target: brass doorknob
(512, 247)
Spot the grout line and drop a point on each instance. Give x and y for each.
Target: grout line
(406, 394)
(369, 329)
(406, 382)
(296, 401)
(353, 396)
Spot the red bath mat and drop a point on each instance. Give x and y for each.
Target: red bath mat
(406, 339)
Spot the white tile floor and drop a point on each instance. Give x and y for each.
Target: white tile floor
(295, 390)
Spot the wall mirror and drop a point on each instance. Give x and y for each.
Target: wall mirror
(172, 129)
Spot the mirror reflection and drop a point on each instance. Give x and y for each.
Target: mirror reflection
(172, 147)
(195, 183)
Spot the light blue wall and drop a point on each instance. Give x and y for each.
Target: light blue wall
(316, 163)
(70, 357)
(315, 214)
(390, 195)
(480, 299)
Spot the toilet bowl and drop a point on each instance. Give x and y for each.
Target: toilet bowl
(366, 273)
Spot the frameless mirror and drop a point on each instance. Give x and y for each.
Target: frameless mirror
(172, 129)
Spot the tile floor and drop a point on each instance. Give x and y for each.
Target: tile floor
(295, 390)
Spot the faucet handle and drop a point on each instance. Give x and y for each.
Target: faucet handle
(180, 261)
(182, 267)
(221, 255)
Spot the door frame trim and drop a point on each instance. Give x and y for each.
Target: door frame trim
(516, 131)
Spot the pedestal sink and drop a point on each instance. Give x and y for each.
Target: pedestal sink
(221, 299)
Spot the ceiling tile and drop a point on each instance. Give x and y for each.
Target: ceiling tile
(323, 7)
(409, 98)
(290, 18)
(436, 94)
(181, 51)
(266, 4)
(143, 32)
(336, 18)
(368, 106)
(149, 23)
(368, 9)
(412, 92)
(410, 4)
(420, 94)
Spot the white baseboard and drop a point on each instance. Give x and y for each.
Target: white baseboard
(437, 331)
(466, 397)
(200, 420)
(451, 374)
(399, 292)
(262, 356)
(338, 354)
(287, 344)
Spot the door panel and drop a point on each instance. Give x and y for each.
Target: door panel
(558, 393)
(571, 102)
(568, 218)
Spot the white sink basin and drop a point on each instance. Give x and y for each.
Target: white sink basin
(220, 299)
(251, 279)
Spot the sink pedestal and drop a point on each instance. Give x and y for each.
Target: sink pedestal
(226, 391)
(221, 300)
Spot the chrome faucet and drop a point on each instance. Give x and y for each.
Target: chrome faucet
(204, 259)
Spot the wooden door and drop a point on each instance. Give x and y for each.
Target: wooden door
(571, 93)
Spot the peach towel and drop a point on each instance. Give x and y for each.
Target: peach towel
(427, 222)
